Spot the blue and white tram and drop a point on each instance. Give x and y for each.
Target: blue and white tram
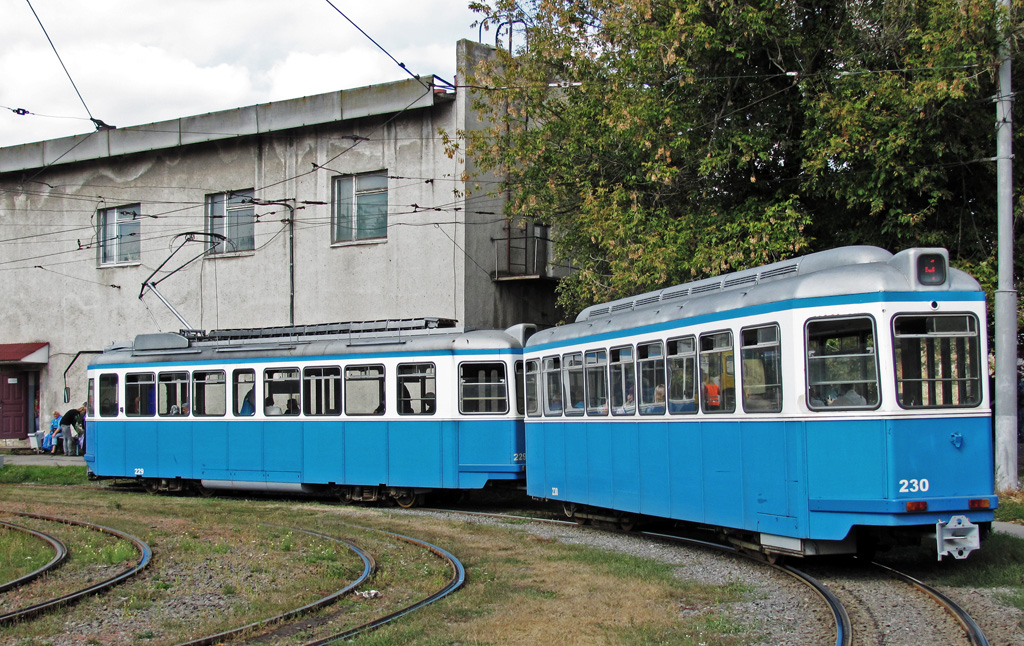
(365, 411)
(827, 404)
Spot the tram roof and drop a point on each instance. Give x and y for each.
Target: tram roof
(365, 337)
(836, 272)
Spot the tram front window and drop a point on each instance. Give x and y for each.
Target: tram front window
(937, 361)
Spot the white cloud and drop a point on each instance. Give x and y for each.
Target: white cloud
(137, 62)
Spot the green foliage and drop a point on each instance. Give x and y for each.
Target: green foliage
(667, 140)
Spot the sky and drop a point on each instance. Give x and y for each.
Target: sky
(139, 61)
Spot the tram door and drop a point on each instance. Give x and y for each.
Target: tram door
(13, 404)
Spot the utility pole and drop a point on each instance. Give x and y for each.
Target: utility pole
(1006, 296)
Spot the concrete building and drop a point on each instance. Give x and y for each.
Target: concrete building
(344, 206)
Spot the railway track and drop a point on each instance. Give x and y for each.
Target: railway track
(145, 556)
(60, 555)
(859, 615)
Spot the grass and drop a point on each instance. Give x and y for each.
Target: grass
(27, 474)
(520, 589)
(1011, 507)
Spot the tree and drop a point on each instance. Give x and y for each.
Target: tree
(667, 140)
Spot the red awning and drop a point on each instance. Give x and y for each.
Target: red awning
(24, 352)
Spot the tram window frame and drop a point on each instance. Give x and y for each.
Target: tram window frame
(651, 376)
(572, 384)
(489, 393)
(321, 391)
(551, 377)
(202, 387)
(844, 334)
(532, 387)
(180, 383)
(363, 391)
(622, 380)
(140, 386)
(519, 369)
(238, 400)
(90, 399)
(595, 369)
(716, 353)
(932, 382)
(109, 394)
(273, 378)
(762, 392)
(417, 388)
(681, 369)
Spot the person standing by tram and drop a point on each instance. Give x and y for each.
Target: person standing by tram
(67, 422)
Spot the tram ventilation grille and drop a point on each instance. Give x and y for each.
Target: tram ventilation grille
(599, 311)
(678, 293)
(741, 280)
(703, 289)
(640, 302)
(779, 271)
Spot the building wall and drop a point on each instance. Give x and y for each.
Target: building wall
(435, 260)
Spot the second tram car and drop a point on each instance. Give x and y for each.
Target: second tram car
(828, 404)
(369, 411)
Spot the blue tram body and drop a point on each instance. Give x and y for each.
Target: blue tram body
(827, 404)
(364, 413)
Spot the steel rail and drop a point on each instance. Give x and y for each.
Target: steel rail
(844, 629)
(369, 567)
(73, 597)
(60, 555)
(457, 580)
(973, 631)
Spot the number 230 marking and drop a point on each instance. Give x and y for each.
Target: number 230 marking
(914, 485)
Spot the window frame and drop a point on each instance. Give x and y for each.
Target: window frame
(972, 338)
(320, 385)
(595, 376)
(141, 386)
(422, 374)
(229, 214)
(168, 379)
(747, 394)
(111, 408)
(237, 402)
(676, 351)
(809, 359)
(364, 372)
(502, 383)
(650, 357)
(292, 380)
(347, 195)
(622, 380)
(726, 405)
(573, 385)
(120, 237)
(199, 379)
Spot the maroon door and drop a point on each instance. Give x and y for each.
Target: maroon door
(13, 404)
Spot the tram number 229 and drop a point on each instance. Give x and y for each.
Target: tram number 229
(140, 472)
(914, 485)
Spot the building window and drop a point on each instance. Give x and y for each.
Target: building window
(233, 216)
(118, 234)
(359, 207)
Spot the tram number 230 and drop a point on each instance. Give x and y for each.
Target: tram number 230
(913, 485)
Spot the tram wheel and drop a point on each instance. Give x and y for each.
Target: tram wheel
(408, 499)
(151, 486)
(627, 523)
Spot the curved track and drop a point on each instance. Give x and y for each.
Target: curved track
(60, 555)
(73, 597)
(369, 567)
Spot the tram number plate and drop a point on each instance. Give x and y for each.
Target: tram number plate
(519, 457)
(140, 472)
(914, 485)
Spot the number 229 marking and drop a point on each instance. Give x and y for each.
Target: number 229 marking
(914, 485)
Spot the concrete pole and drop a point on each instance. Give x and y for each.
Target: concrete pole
(1006, 296)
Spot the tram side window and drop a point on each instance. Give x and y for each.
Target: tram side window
(209, 396)
(532, 386)
(321, 391)
(552, 371)
(172, 393)
(651, 359)
(417, 389)
(483, 388)
(682, 375)
(717, 370)
(108, 395)
(622, 373)
(842, 364)
(243, 392)
(140, 391)
(281, 391)
(596, 368)
(520, 389)
(937, 361)
(761, 369)
(364, 390)
(90, 401)
(572, 383)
